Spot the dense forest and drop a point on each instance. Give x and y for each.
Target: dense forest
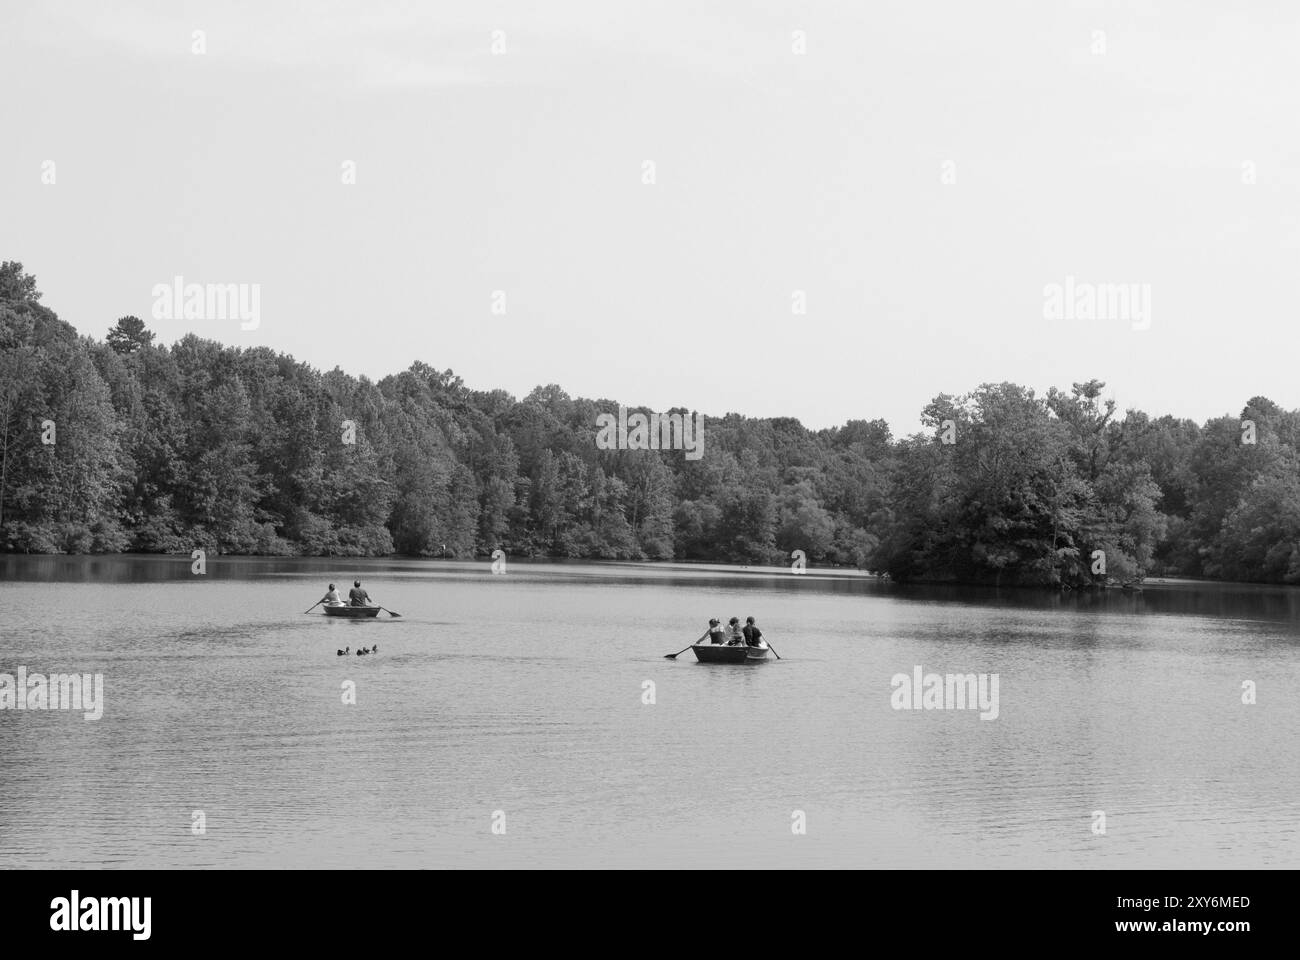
(124, 445)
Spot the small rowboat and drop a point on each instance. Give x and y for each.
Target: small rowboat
(344, 610)
(721, 653)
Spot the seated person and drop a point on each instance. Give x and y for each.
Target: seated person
(753, 635)
(357, 596)
(714, 633)
(332, 598)
(736, 637)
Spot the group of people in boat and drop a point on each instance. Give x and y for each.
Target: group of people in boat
(733, 634)
(357, 597)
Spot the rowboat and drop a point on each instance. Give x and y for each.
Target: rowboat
(721, 653)
(344, 610)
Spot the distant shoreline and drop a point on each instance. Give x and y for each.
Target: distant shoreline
(127, 446)
(813, 572)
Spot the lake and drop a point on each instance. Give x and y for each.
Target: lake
(520, 701)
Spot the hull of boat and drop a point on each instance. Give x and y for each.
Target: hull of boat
(720, 653)
(352, 612)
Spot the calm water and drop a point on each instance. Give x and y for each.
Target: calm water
(523, 693)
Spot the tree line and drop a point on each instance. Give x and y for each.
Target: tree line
(124, 445)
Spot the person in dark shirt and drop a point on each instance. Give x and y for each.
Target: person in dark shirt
(753, 635)
(357, 596)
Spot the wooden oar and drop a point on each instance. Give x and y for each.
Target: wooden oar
(772, 648)
(314, 605)
(391, 614)
(674, 656)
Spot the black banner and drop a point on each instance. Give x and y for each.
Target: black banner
(131, 909)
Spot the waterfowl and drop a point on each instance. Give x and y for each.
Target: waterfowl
(344, 651)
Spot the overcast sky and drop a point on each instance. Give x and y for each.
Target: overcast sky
(1112, 157)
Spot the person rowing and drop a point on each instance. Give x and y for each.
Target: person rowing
(753, 635)
(714, 634)
(358, 597)
(332, 597)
